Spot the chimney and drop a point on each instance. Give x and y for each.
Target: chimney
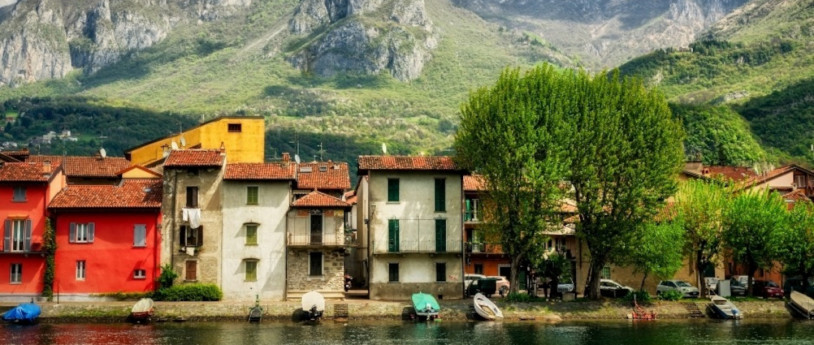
(286, 157)
(46, 166)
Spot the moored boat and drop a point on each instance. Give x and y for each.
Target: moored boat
(313, 304)
(142, 311)
(802, 305)
(486, 308)
(426, 307)
(722, 308)
(23, 313)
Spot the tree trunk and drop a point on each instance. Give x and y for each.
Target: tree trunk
(514, 288)
(751, 267)
(552, 288)
(699, 274)
(641, 288)
(595, 276)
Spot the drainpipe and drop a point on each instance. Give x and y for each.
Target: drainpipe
(174, 198)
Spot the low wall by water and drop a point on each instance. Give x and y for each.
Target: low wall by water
(367, 309)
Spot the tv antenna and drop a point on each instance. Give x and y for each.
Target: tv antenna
(321, 151)
(297, 158)
(384, 148)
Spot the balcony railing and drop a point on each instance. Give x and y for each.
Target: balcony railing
(307, 240)
(484, 248)
(427, 247)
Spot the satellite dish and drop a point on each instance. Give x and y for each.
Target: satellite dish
(102, 152)
(384, 148)
(183, 141)
(297, 159)
(174, 145)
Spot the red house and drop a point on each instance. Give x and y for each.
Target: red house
(107, 238)
(26, 188)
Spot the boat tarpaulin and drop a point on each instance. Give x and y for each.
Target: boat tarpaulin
(23, 312)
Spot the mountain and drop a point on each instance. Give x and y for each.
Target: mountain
(756, 63)
(606, 33)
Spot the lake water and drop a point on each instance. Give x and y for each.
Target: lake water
(661, 332)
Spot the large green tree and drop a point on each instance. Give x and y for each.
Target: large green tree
(625, 153)
(699, 206)
(513, 134)
(658, 252)
(753, 226)
(796, 245)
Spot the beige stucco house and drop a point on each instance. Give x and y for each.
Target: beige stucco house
(412, 212)
(256, 199)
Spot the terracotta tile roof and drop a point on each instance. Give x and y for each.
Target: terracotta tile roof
(260, 171)
(729, 172)
(350, 197)
(139, 167)
(434, 163)
(319, 199)
(194, 158)
(797, 195)
(474, 183)
(86, 166)
(133, 193)
(758, 179)
(26, 171)
(19, 155)
(323, 175)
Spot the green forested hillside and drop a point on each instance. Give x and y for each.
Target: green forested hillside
(749, 80)
(238, 66)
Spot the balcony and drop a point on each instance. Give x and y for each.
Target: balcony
(301, 240)
(473, 213)
(417, 247)
(484, 248)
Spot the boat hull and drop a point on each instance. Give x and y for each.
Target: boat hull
(313, 304)
(25, 313)
(425, 305)
(485, 308)
(802, 305)
(722, 308)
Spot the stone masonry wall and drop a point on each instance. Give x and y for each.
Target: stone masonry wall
(333, 271)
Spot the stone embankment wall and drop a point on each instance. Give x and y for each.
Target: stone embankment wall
(365, 309)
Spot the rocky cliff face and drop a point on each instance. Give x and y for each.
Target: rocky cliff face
(606, 33)
(45, 39)
(363, 36)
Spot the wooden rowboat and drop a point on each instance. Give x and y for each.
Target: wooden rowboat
(142, 311)
(486, 308)
(313, 304)
(802, 304)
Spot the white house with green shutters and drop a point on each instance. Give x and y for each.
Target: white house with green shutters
(411, 213)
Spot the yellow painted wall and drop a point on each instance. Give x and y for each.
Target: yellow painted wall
(138, 173)
(246, 146)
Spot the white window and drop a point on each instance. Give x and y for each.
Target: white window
(18, 235)
(80, 270)
(81, 232)
(140, 274)
(139, 235)
(16, 273)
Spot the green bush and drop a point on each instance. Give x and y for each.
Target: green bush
(189, 292)
(672, 295)
(642, 297)
(167, 276)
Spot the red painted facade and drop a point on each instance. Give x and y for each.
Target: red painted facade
(112, 258)
(27, 212)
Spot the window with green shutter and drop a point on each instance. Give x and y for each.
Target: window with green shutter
(251, 195)
(440, 195)
(393, 272)
(440, 235)
(392, 190)
(251, 234)
(251, 270)
(393, 235)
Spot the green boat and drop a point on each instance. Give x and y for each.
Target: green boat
(425, 305)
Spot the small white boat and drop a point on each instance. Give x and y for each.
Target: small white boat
(802, 304)
(486, 308)
(723, 308)
(142, 311)
(313, 304)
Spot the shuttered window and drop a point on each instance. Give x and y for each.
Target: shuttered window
(440, 235)
(392, 190)
(393, 272)
(440, 195)
(139, 235)
(252, 195)
(191, 237)
(17, 235)
(80, 270)
(81, 233)
(192, 197)
(19, 194)
(251, 270)
(191, 270)
(16, 273)
(251, 234)
(393, 235)
(440, 272)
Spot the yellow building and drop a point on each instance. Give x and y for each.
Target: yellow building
(242, 137)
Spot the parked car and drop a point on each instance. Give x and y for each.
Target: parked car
(687, 289)
(767, 289)
(566, 285)
(469, 278)
(737, 287)
(486, 286)
(797, 284)
(610, 288)
(501, 284)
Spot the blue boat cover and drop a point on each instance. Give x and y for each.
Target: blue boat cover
(23, 312)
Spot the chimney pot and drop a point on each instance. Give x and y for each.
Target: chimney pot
(286, 157)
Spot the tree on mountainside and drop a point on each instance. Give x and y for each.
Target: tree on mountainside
(625, 152)
(753, 226)
(796, 243)
(700, 206)
(511, 135)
